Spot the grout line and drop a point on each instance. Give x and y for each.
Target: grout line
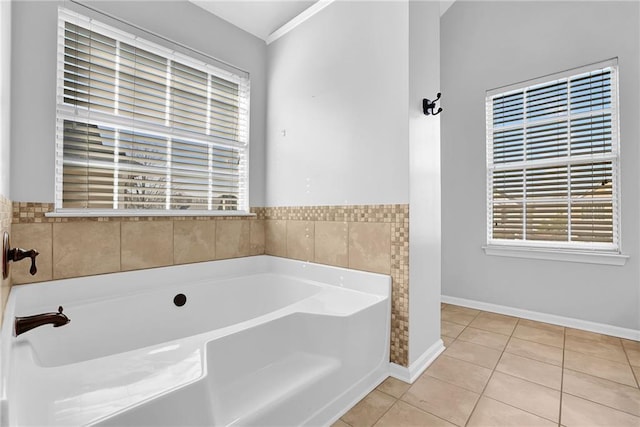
(633, 372)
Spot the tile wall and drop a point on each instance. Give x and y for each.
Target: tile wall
(363, 237)
(74, 247)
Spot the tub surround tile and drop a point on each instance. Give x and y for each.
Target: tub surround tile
(300, 240)
(442, 399)
(84, 249)
(618, 396)
(146, 244)
(32, 236)
(275, 237)
(331, 243)
(194, 241)
(490, 412)
(405, 415)
(577, 412)
(370, 247)
(393, 387)
(257, 239)
(602, 368)
(525, 395)
(232, 239)
(369, 409)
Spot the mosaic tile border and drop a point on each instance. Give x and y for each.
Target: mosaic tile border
(398, 216)
(34, 212)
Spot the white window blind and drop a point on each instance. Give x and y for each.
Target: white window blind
(143, 127)
(553, 161)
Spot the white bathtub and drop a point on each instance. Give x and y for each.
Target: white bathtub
(261, 341)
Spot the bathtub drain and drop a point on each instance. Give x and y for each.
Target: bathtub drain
(180, 300)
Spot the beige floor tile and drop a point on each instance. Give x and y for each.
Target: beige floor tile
(592, 336)
(369, 409)
(541, 325)
(463, 310)
(339, 423)
(533, 350)
(485, 338)
(531, 370)
(442, 399)
(609, 393)
(450, 329)
(393, 387)
(603, 368)
(443, 305)
(580, 412)
(447, 340)
(457, 317)
(542, 336)
(495, 323)
(633, 355)
(404, 415)
(474, 353)
(525, 395)
(636, 370)
(458, 372)
(607, 351)
(491, 413)
(631, 344)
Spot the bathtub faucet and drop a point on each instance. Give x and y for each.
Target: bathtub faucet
(24, 324)
(17, 254)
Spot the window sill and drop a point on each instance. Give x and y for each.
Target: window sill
(607, 258)
(103, 214)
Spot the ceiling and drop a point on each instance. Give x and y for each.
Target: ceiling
(262, 17)
(259, 18)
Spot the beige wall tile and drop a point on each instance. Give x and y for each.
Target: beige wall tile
(32, 236)
(85, 248)
(332, 243)
(275, 234)
(146, 244)
(370, 246)
(300, 240)
(233, 239)
(194, 241)
(257, 237)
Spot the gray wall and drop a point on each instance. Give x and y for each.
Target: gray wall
(486, 45)
(337, 111)
(34, 79)
(5, 91)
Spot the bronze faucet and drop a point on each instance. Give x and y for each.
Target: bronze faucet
(24, 324)
(16, 254)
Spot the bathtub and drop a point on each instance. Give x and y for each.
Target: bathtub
(260, 341)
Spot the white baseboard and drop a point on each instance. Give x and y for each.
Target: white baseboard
(601, 328)
(410, 374)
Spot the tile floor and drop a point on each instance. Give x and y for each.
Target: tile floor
(506, 371)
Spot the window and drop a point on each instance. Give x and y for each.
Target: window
(145, 129)
(553, 162)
